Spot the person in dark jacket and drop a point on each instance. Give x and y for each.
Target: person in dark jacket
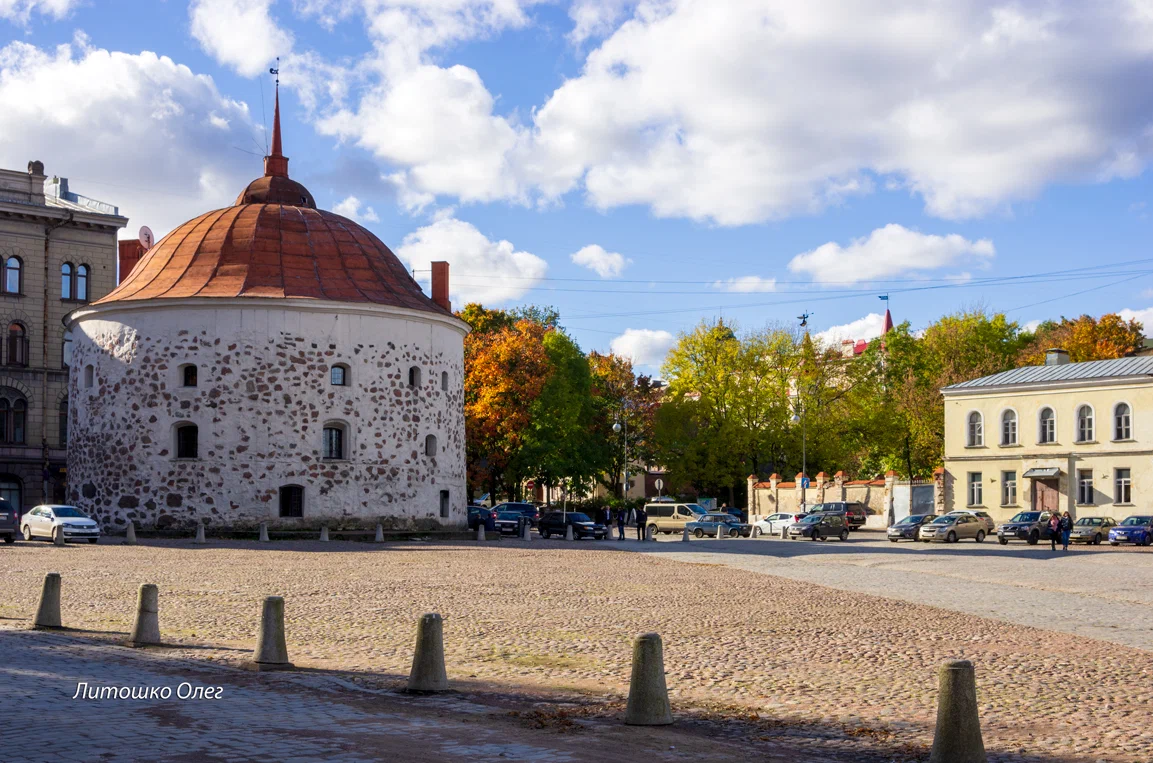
(642, 520)
(622, 520)
(1054, 531)
(1066, 530)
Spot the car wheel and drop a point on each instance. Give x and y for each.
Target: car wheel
(28, 533)
(1147, 540)
(1033, 538)
(1112, 543)
(814, 535)
(844, 535)
(653, 529)
(734, 533)
(1004, 541)
(698, 533)
(951, 537)
(10, 538)
(980, 536)
(893, 540)
(1097, 539)
(545, 534)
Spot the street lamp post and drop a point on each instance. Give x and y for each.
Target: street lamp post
(618, 428)
(799, 415)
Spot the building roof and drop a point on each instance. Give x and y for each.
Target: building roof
(1069, 372)
(273, 243)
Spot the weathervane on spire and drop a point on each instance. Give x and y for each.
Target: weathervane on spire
(276, 70)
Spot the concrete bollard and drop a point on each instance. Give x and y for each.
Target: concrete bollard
(526, 533)
(146, 629)
(755, 532)
(58, 536)
(568, 532)
(480, 531)
(130, 535)
(649, 534)
(324, 534)
(263, 532)
(428, 674)
(271, 650)
(200, 534)
(380, 534)
(958, 735)
(48, 613)
(648, 696)
(685, 536)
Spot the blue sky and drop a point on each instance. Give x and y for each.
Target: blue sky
(754, 160)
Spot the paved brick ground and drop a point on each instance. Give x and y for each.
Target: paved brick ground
(848, 672)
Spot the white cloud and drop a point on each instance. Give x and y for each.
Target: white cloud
(351, 208)
(20, 11)
(1143, 316)
(604, 264)
(869, 327)
(747, 284)
(239, 33)
(1031, 326)
(482, 270)
(889, 251)
(645, 347)
(593, 18)
(137, 131)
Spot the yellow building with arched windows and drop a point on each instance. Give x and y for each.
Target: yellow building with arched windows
(1064, 436)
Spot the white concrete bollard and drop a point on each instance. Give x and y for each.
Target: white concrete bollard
(271, 650)
(648, 703)
(649, 534)
(48, 613)
(199, 540)
(324, 534)
(428, 673)
(568, 532)
(527, 534)
(379, 534)
(146, 629)
(263, 532)
(957, 738)
(755, 532)
(685, 536)
(480, 531)
(130, 535)
(58, 536)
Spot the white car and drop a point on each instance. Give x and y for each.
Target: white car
(775, 523)
(47, 520)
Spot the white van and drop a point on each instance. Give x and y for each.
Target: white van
(672, 517)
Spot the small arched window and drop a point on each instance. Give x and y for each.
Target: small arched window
(17, 345)
(335, 445)
(187, 441)
(66, 272)
(292, 501)
(430, 445)
(444, 380)
(1009, 428)
(62, 420)
(188, 375)
(89, 376)
(1084, 424)
(82, 283)
(414, 376)
(1122, 422)
(1047, 427)
(338, 376)
(976, 430)
(13, 276)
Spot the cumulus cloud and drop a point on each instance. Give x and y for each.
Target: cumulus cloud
(1143, 316)
(20, 11)
(351, 208)
(239, 33)
(869, 327)
(645, 347)
(604, 264)
(482, 270)
(889, 251)
(163, 133)
(593, 18)
(1031, 326)
(747, 284)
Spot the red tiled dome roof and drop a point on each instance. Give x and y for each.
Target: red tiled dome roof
(274, 243)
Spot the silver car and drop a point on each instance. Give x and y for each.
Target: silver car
(985, 518)
(952, 528)
(1091, 530)
(49, 520)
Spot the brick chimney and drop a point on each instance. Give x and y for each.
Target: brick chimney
(131, 251)
(440, 285)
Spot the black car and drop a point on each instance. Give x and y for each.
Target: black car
(508, 522)
(820, 527)
(525, 509)
(556, 522)
(854, 514)
(9, 521)
(478, 515)
(909, 527)
(1029, 526)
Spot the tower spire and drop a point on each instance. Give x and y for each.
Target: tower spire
(276, 163)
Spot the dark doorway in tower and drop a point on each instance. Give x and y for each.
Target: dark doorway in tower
(292, 501)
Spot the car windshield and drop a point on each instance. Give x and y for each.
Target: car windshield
(69, 511)
(910, 520)
(1137, 520)
(578, 517)
(695, 508)
(945, 520)
(1087, 521)
(1026, 516)
(811, 518)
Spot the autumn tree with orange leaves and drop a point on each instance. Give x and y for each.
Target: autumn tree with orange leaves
(1085, 338)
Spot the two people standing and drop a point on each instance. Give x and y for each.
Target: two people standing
(1060, 528)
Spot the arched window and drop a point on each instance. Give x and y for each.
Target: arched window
(188, 375)
(976, 430)
(13, 417)
(12, 490)
(414, 376)
(62, 418)
(1122, 422)
(66, 349)
(1084, 424)
(335, 444)
(89, 376)
(1047, 427)
(338, 376)
(444, 380)
(430, 445)
(13, 276)
(19, 417)
(66, 273)
(1009, 428)
(292, 501)
(82, 283)
(187, 441)
(17, 345)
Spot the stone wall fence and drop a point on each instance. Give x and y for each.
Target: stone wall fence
(877, 495)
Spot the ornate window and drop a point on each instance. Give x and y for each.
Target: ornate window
(187, 441)
(82, 283)
(430, 445)
(1084, 424)
(338, 376)
(67, 271)
(13, 417)
(17, 345)
(292, 501)
(334, 441)
(1047, 427)
(1122, 422)
(13, 276)
(976, 430)
(1009, 428)
(74, 282)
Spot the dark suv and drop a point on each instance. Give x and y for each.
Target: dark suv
(527, 510)
(1029, 526)
(481, 515)
(582, 525)
(820, 527)
(854, 514)
(9, 521)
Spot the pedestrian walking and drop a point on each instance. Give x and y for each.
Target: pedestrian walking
(622, 520)
(642, 520)
(1054, 530)
(1066, 530)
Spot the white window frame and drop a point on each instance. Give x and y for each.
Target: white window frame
(1009, 416)
(975, 431)
(1128, 434)
(1085, 491)
(1041, 433)
(345, 440)
(1123, 487)
(974, 489)
(1077, 424)
(1008, 488)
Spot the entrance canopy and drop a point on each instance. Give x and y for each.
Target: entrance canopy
(1043, 473)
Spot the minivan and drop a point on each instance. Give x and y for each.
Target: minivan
(672, 517)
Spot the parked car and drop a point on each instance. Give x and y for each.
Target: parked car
(484, 500)
(738, 513)
(820, 527)
(717, 522)
(986, 519)
(1029, 526)
(582, 525)
(1091, 530)
(672, 517)
(508, 522)
(909, 528)
(480, 515)
(855, 514)
(1137, 529)
(9, 521)
(46, 521)
(952, 528)
(531, 511)
(774, 523)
